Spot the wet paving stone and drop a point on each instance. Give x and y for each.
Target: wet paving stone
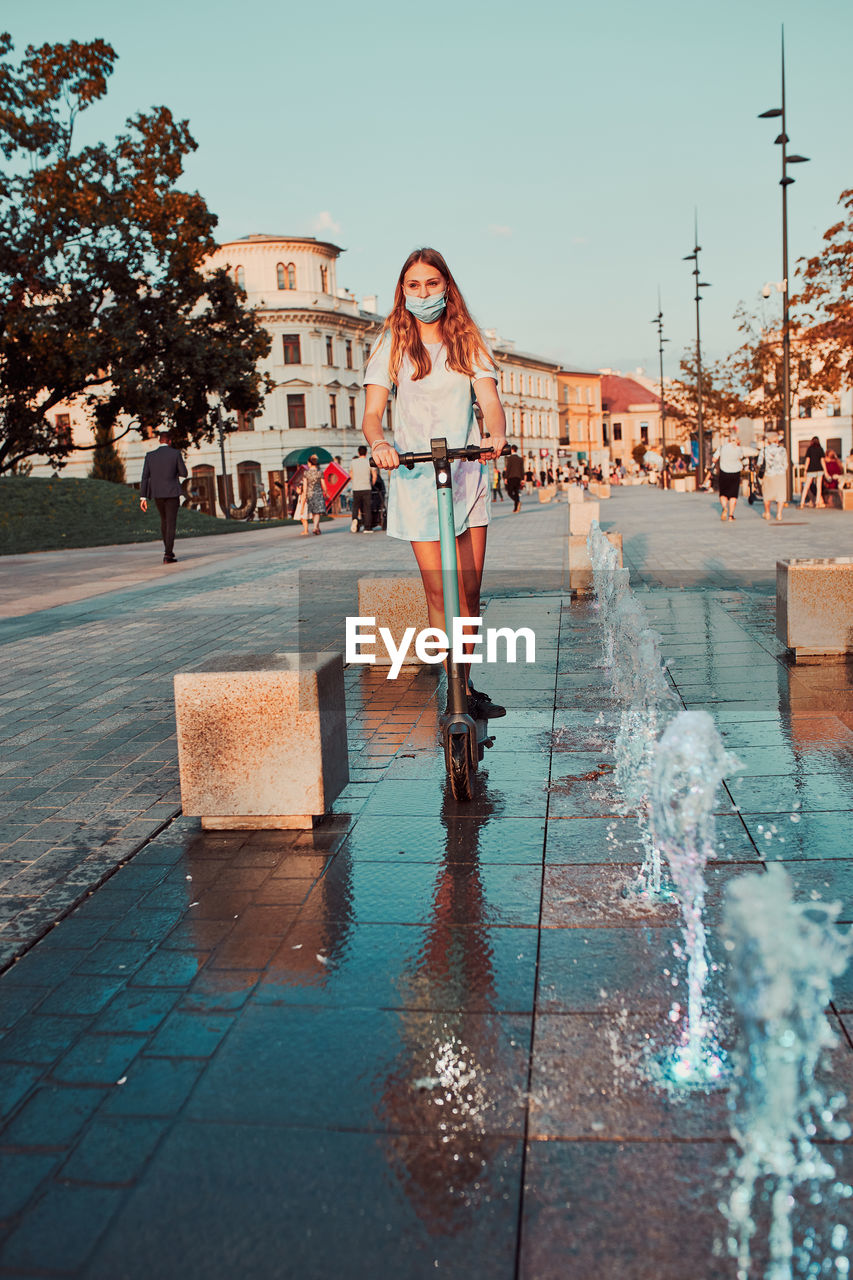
(662, 1195)
(407, 1071)
(113, 1152)
(154, 1087)
(610, 1093)
(61, 1229)
(608, 970)
(412, 893)
(438, 838)
(441, 966)
(402, 1204)
(40, 1039)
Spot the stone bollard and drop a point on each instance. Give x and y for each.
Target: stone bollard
(599, 489)
(395, 603)
(581, 516)
(814, 607)
(262, 739)
(580, 565)
(546, 492)
(574, 493)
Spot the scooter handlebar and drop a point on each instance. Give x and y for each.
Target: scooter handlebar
(471, 453)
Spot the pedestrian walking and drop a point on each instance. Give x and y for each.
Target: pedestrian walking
(362, 474)
(432, 351)
(513, 477)
(729, 458)
(497, 491)
(162, 471)
(772, 465)
(316, 494)
(814, 473)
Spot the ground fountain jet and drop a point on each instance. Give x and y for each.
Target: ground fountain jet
(784, 957)
(631, 652)
(690, 762)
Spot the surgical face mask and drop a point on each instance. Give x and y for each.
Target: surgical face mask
(426, 309)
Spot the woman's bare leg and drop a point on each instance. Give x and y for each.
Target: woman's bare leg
(470, 557)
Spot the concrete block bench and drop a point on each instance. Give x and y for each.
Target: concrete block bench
(546, 492)
(814, 607)
(599, 490)
(580, 565)
(574, 493)
(262, 739)
(395, 603)
(847, 499)
(581, 516)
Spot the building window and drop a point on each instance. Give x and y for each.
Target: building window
(352, 411)
(324, 279)
(330, 351)
(240, 278)
(512, 382)
(292, 348)
(291, 276)
(604, 436)
(538, 386)
(62, 423)
(281, 276)
(348, 349)
(644, 432)
(833, 410)
(333, 411)
(249, 482)
(365, 350)
(617, 430)
(244, 421)
(804, 411)
(296, 411)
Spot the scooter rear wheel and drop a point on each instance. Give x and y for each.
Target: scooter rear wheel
(461, 770)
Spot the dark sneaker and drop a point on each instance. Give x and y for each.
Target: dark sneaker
(481, 707)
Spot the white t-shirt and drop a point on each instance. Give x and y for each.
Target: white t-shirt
(438, 405)
(730, 457)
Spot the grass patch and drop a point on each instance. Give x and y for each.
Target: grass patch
(40, 514)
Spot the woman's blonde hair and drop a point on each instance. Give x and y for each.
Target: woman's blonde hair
(462, 340)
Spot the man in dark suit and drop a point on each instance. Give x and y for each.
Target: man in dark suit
(161, 480)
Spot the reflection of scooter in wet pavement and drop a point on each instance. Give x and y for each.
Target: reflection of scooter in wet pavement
(464, 738)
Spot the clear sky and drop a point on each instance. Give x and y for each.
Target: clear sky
(553, 151)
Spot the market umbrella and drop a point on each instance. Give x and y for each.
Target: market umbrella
(298, 457)
(652, 459)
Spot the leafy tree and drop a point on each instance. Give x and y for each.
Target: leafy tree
(721, 400)
(827, 304)
(106, 460)
(103, 291)
(756, 368)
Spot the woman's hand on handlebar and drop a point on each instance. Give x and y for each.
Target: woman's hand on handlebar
(385, 456)
(493, 447)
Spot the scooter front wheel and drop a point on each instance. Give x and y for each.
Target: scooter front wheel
(460, 767)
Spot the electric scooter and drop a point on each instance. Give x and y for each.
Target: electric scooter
(465, 739)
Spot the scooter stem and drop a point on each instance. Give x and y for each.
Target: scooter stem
(457, 702)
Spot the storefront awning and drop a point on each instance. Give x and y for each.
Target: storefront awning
(298, 457)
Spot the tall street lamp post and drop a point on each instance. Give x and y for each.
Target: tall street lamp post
(785, 182)
(700, 428)
(658, 320)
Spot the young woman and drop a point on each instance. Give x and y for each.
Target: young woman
(315, 494)
(431, 350)
(774, 482)
(814, 473)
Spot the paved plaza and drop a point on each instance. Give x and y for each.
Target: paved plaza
(410, 1041)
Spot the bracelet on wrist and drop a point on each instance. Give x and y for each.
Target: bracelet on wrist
(377, 442)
